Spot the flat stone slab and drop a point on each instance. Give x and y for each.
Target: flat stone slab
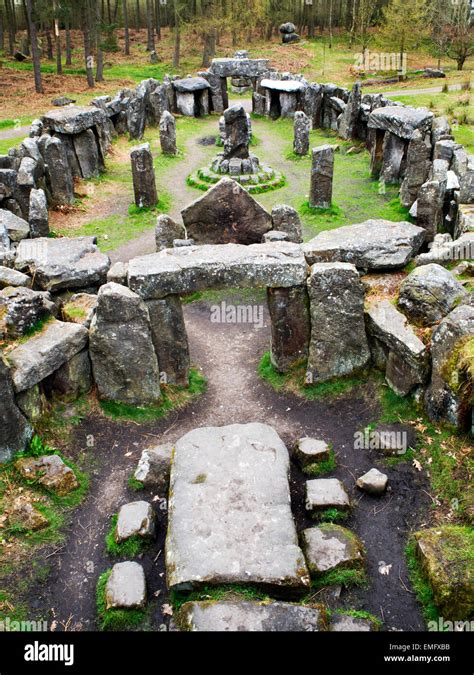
(45, 352)
(233, 67)
(341, 623)
(190, 84)
(9, 277)
(230, 519)
(311, 450)
(250, 617)
(371, 245)
(326, 493)
(73, 119)
(135, 519)
(285, 86)
(59, 264)
(401, 120)
(329, 547)
(196, 268)
(126, 586)
(17, 228)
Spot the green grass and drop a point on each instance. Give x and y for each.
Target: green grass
(320, 468)
(361, 614)
(218, 594)
(134, 485)
(173, 397)
(331, 515)
(419, 584)
(115, 619)
(130, 548)
(341, 577)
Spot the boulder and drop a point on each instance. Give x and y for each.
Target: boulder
(49, 471)
(313, 101)
(170, 339)
(168, 133)
(322, 170)
(338, 346)
(33, 403)
(21, 309)
(393, 158)
(8, 183)
(15, 431)
(429, 207)
(448, 395)
(166, 231)
(326, 493)
(330, 547)
(16, 227)
(38, 214)
(213, 469)
(45, 352)
(153, 468)
(228, 616)
(429, 293)
(24, 515)
(371, 245)
(143, 174)
(195, 268)
(59, 264)
(9, 277)
(126, 587)
(374, 482)
(124, 362)
(136, 115)
(118, 273)
(136, 519)
(301, 129)
(226, 213)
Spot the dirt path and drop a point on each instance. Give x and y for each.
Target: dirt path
(14, 132)
(228, 356)
(427, 90)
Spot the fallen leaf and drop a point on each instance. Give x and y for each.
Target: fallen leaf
(417, 465)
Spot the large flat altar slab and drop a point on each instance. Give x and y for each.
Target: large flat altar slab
(230, 519)
(197, 268)
(73, 119)
(401, 121)
(285, 86)
(232, 67)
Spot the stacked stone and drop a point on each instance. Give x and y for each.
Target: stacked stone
(288, 33)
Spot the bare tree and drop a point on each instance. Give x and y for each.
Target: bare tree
(34, 46)
(461, 33)
(86, 30)
(126, 28)
(150, 26)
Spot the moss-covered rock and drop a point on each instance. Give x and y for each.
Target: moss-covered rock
(446, 555)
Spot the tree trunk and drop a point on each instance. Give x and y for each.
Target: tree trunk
(68, 45)
(125, 25)
(34, 47)
(157, 19)
(11, 31)
(26, 47)
(89, 59)
(149, 27)
(49, 43)
(209, 47)
(57, 39)
(137, 16)
(99, 74)
(2, 30)
(460, 62)
(177, 40)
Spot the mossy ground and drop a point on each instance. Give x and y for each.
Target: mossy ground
(321, 468)
(131, 548)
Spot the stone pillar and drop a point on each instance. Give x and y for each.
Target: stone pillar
(15, 431)
(143, 174)
(418, 167)
(38, 218)
(302, 127)
(168, 134)
(393, 156)
(349, 121)
(322, 171)
(236, 133)
(429, 207)
(170, 339)
(375, 144)
(58, 172)
(313, 101)
(290, 326)
(87, 153)
(338, 346)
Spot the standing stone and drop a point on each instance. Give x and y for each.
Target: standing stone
(429, 207)
(136, 115)
(393, 155)
(168, 134)
(286, 219)
(124, 362)
(39, 219)
(170, 339)
(143, 173)
(58, 171)
(159, 101)
(418, 167)
(15, 432)
(237, 133)
(338, 346)
(87, 153)
(349, 120)
(302, 127)
(313, 102)
(322, 170)
(290, 326)
(167, 231)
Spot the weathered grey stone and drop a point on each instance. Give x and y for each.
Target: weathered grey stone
(332, 111)
(123, 359)
(68, 143)
(58, 171)
(393, 156)
(286, 219)
(310, 451)
(374, 482)
(15, 431)
(49, 471)
(168, 133)
(226, 214)
(45, 352)
(429, 207)
(166, 231)
(285, 86)
(136, 115)
(326, 493)
(80, 308)
(118, 273)
(230, 67)
(36, 128)
(159, 101)
(448, 396)
(16, 227)
(418, 163)
(401, 121)
(440, 130)
(63, 263)
(313, 101)
(73, 119)
(348, 623)
(126, 586)
(38, 219)
(170, 339)
(329, 547)
(135, 519)
(301, 128)
(322, 170)
(190, 84)
(154, 466)
(372, 245)
(143, 173)
(213, 469)
(290, 326)
(251, 617)
(236, 133)
(33, 403)
(274, 235)
(429, 293)
(74, 378)
(348, 125)
(9, 277)
(21, 309)
(196, 268)
(87, 153)
(338, 346)
(8, 183)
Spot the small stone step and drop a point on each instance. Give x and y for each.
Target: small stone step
(126, 587)
(330, 546)
(311, 450)
(326, 493)
(374, 482)
(153, 469)
(346, 622)
(135, 519)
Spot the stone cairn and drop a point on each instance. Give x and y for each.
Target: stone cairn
(143, 173)
(236, 161)
(288, 33)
